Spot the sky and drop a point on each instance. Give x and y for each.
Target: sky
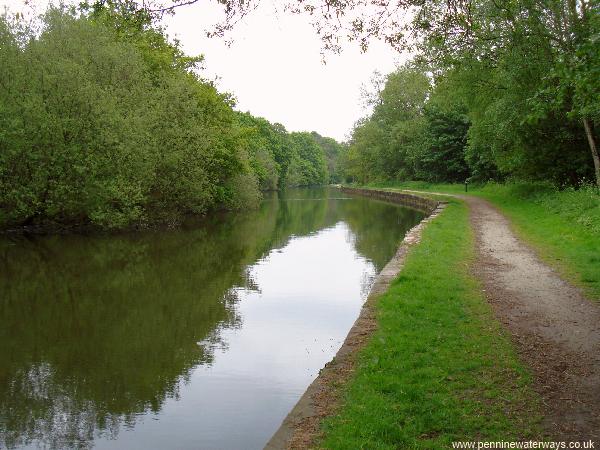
(274, 67)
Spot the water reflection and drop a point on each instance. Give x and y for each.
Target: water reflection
(202, 337)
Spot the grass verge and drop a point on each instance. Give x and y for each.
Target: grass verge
(439, 368)
(562, 225)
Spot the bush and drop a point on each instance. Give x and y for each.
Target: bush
(93, 131)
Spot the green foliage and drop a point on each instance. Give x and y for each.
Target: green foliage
(384, 145)
(104, 121)
(264, 144)
(413, 133)
(526, 71)
(281, 159)
(333, 151)
(525, 74)
(585, 76)
(442, 156)
(308, 166)
(94, 133)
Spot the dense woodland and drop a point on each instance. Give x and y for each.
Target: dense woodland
(500, 91)
(104, 121)
(497, 89)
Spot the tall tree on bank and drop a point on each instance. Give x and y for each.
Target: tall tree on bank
(414, 132)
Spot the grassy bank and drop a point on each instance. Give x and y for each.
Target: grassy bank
(439, 368)
(562, 225)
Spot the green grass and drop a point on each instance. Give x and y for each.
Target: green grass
(563, 226)
(439, 368)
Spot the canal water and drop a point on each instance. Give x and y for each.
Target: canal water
(202, 337)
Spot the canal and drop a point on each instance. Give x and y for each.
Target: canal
(202, 337)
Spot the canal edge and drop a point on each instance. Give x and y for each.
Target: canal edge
(301, 425)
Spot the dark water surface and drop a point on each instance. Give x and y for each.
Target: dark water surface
(198, 338)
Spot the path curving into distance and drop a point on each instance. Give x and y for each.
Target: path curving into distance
(556, 329)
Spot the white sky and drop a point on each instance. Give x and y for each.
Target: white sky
(274, 66)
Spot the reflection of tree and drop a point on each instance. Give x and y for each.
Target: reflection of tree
(97, 330)
(366, 283)
(377, 227)
(375, 230)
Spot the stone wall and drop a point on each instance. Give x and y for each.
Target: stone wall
(426, 205)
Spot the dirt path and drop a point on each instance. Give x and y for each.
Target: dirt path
(556, 330)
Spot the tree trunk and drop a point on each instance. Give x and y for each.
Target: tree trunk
(593, 148)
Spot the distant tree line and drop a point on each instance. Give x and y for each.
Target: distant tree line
(105, 121)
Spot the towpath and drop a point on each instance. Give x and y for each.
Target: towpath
(556, 329)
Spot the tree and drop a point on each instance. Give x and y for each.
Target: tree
(442, 156)
(547, 51)
(332, 150)
(95, 132)
(308, 166)
(384, 146)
